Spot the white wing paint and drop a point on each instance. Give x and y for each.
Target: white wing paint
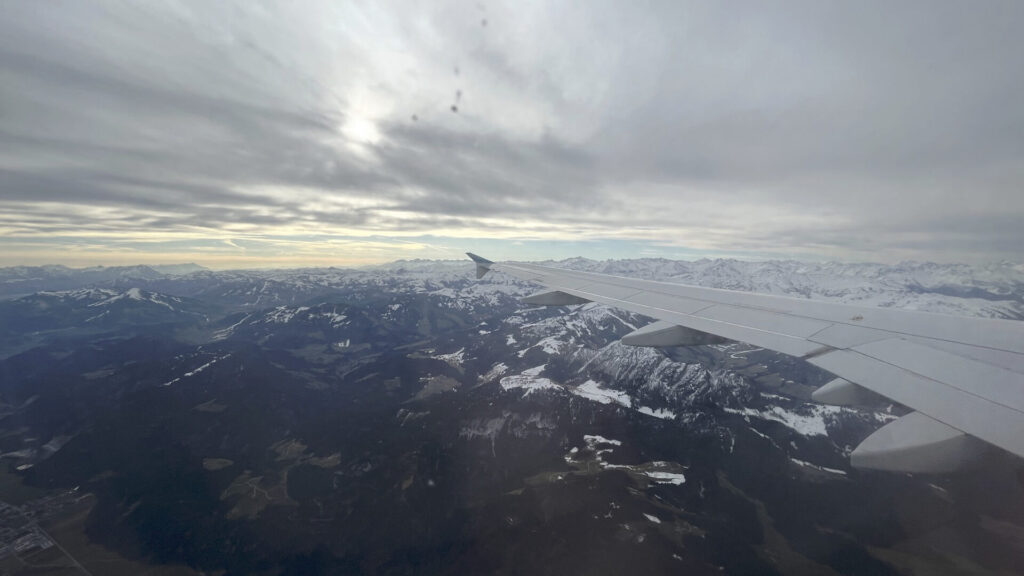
(964, 377)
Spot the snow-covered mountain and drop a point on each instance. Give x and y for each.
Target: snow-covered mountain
(995, 290)
(535, 351)
(20, 280)
(97, 308)
(178, 269)
(575, 356)
(992, 290)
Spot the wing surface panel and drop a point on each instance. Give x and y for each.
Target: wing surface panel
(774, 321)
(846, 336)
(978, 378)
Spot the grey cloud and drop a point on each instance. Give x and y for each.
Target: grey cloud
(188, 133)
(487, 174)
(876, 126)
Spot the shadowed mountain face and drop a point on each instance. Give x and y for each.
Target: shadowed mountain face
(413, 420)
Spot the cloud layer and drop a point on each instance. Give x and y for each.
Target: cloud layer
(278, 133)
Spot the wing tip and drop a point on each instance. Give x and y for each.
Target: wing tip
(483, 265)
(479, 259)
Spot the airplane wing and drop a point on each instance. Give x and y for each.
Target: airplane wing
(963, 377)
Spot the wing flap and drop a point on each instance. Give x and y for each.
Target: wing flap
(976, 415)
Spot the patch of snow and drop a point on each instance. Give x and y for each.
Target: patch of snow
(529, 383)
(652, 518)
(197, 370)
(110, 300)
(534, 371)
(155, 300)
(56, 443)
(334, 318)
(816, 467)
(808, 425)
(550, 345)
(593, 439)
(762, 435)
(673, 478)
(222, 334)
(453, 358)
(591, 390)
(98, 316)
(886, 416)
(283, 314)
(495, 371)
(663, 413)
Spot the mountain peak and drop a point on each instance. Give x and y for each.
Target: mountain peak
(178, 269)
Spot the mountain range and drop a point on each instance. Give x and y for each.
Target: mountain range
(409, 418)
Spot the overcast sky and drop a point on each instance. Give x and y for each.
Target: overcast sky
(293, 133)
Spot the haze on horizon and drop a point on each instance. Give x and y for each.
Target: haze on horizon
(236, 134)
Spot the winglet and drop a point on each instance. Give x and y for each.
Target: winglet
(482, 264)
